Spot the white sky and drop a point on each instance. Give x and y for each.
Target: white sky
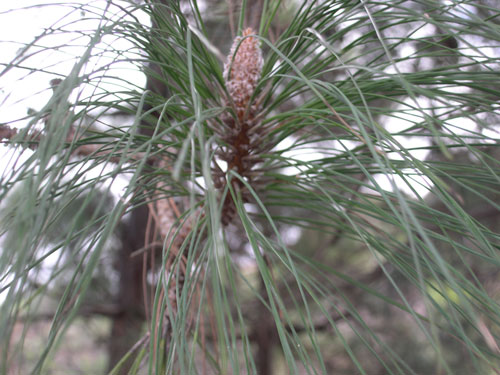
(55, 54)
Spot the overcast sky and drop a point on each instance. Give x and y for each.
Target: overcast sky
(53, 55)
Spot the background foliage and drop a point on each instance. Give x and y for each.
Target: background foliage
(361, 237)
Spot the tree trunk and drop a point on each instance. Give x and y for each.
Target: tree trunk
(264, 335)
(127, 326)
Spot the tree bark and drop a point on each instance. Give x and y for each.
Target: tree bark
(264, 335)
(127, 325)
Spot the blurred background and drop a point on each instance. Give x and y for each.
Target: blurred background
(376, 293)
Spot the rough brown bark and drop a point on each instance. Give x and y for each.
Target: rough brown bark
(264, 336)
(128, 324)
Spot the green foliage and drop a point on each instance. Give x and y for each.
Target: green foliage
(380, 121)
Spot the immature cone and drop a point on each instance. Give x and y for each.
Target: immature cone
(242, 70)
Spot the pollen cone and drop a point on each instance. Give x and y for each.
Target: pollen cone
(242, 70)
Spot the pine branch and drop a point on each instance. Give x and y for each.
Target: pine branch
(33, 139)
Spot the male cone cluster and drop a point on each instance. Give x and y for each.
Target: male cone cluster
(239, 129)
(242, 71)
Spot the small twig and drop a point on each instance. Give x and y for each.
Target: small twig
(107, 310)
(150, 246)
(95, 150)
